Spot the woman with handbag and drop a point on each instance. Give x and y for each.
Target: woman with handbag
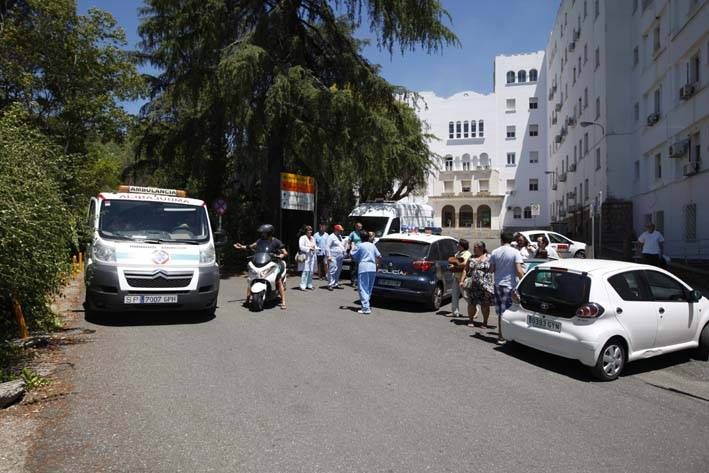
(307, 256)
(479, 283)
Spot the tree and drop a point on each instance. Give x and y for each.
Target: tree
(252, 88)
(68, 71)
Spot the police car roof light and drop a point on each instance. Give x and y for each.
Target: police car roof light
(151, 190)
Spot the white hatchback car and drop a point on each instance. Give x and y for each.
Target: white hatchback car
(606, 313)
(565, 247)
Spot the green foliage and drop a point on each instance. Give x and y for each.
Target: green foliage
(250, 89)
(10, 356)
(35, 233)
(32, 379)
(68, 71)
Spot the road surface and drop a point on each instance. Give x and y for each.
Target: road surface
(321, 389)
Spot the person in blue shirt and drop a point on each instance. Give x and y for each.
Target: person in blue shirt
(321, 238)
(367, 256)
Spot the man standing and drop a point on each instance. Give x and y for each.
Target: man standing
(355, 239)
(321, 238)
(506, 263)
(653, 243)
(335, 247)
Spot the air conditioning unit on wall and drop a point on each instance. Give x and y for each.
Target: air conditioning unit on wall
(653, 118)
(679, 149)
(690, 169)
(686, 91)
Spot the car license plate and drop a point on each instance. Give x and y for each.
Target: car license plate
(541, 322)
(166, 299)
(345, 267)
(389, 282)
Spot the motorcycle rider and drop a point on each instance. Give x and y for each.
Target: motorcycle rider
(268, 244)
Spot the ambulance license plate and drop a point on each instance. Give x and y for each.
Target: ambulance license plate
(143, 299)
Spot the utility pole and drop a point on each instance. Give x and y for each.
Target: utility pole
(600, 221)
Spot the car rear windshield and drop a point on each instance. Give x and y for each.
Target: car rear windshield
(554, 292)
(403, 249)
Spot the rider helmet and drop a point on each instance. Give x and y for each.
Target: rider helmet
(266, 230)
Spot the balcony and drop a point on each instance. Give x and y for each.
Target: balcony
(481, 172)
(554, 185)
(653, 118)
(557, 106)
(562, 177)
(572, 167)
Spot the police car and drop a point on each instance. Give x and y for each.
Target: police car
(152, 248)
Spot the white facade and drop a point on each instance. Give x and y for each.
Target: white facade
(637, 70)
(493, 150)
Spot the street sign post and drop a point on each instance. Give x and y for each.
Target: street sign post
(220, 207)
(297, 192)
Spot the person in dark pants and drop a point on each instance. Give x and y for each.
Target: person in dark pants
(653, 243)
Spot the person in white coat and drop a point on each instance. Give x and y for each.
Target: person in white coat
(307, 256)
(335, 249)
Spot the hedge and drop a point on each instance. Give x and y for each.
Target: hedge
(36, 230)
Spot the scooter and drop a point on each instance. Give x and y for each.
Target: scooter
(263, 273)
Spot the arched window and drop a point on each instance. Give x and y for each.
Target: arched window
(472, 129)
(511, 77)
(476, 162)
(457, 130)
(448, 216)
(533, 75)
(481, 129)
(451, 130)
(466, 216)
(484, 161)
(517, 213)
(465, 128)
(449, 163)
(522, 76)
(484, 217)
(466, 162)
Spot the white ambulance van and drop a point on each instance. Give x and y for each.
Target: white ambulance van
(151, 249)
(384, 218)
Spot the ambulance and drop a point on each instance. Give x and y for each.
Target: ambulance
(152, 249)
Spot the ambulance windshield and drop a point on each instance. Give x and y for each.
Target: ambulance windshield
(153, 222)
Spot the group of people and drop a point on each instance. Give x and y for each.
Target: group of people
(325, 253)
(484, 279)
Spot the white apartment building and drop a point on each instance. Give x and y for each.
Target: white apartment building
(670, 172)
(492, 149)
(627, 108)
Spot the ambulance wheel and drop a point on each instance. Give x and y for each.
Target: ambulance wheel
(257, 301)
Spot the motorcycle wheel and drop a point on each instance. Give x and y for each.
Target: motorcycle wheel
(257, 301)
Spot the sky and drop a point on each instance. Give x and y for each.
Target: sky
(485, 28)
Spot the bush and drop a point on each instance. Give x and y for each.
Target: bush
(36, 229)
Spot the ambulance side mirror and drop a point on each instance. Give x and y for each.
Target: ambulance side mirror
(219, 238)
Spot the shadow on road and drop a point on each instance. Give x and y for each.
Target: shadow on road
(571, 368)
(401, 306)
(658, 363)
(128, 319)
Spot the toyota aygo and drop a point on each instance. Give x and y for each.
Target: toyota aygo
(606, 313)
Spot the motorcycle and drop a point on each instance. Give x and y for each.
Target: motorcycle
(263, 273)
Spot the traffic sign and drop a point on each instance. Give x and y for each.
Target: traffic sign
(220, 206)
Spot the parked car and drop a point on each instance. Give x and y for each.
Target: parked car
(606, 313)
(415, 268)
(566, 247)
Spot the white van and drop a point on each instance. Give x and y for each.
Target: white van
(151, 249)
(385, 218)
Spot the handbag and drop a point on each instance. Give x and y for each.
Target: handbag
(300, 257)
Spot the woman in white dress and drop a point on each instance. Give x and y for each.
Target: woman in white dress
(308, 258)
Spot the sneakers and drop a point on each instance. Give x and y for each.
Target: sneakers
(364, 312)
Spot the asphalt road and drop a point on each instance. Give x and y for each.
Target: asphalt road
(321, 389)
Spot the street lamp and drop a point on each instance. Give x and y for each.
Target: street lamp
(587, 124)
